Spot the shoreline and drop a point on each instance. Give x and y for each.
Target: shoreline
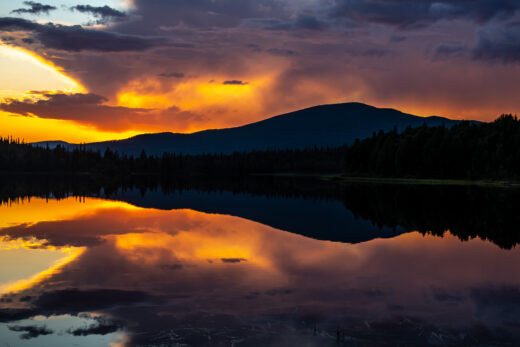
(338, 178)
(396, 180)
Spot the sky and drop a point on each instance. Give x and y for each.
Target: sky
(84, 71)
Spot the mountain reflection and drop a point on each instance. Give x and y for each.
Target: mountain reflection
(162, 277)
(321, 210)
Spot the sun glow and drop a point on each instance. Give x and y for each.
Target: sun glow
(225, 104)
(33, 129)
(193, 93)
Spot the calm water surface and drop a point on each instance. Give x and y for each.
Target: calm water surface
(225, 269)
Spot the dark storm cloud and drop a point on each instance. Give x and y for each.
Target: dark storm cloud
(30, 331)
(235, 82)
(411, 14)
(202, 13)
(498, 43)
(34, 8)
(103, 13)
(76, 38)
(314, 15)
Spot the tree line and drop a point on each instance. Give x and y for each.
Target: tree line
(467, 150)
(16, 156)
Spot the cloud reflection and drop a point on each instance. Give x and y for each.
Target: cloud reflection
(161, 271)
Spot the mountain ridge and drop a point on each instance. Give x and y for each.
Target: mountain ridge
(323, 125)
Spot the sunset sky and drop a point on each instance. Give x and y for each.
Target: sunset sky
(109, 69)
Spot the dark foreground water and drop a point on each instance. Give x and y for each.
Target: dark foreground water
(356, 265)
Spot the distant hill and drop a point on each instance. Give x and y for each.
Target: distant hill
(326, 125)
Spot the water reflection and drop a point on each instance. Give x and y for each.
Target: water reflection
(148, 276)
(321, 210)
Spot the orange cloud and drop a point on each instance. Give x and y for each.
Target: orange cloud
(218, 104)
(90, 109)
(147, 106)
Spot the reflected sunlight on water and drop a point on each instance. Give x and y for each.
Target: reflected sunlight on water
(150, 271)
(36, 210)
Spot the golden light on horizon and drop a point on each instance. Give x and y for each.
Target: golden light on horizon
(34, 129)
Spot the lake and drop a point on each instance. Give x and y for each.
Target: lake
(282, 263)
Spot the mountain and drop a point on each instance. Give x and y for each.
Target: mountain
(326, 125)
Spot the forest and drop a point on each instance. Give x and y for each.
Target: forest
(15, 156)
(467, 150)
